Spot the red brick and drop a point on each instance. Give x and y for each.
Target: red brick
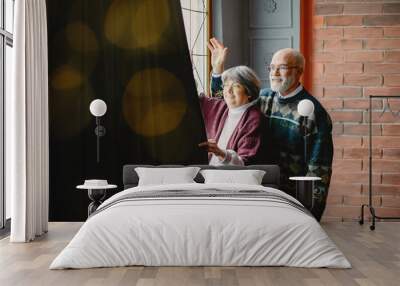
(344, 20)
(363, 79)
(332, 103)
(391, 179)
(361, 104)
(318, 21)
(392, 56)
(328, 9)
(343, 44)
(352, 165)
(391, 201)
(361, 129)
(328, 33)
(344, 68)
(383, 189)
(361, 200)
(337, 129)
(347, 141)
(387, 212)
(394, 104)
(382, 43)
(363, 33)
(318, 69)
(346, 116)
(334, 199)
(381, 90)
(381, 20)
(318, 45)
(362, 56)
(381, 68)
(353, 153)
(383, 142)
(392, 80)
(317, 91)
(354, 178)
(381, 165)
(337, 153)
(329, 79)
(338, 188)
(342, 92)
(327, 57)
(391, 130)
(379, 117)
(391, 153)
(391, 8)
(365, 8)
(391, 31)
(343, 211)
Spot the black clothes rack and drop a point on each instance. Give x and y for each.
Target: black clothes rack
(369, 205)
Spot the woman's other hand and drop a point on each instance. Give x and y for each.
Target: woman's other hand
(218, 55)
(212, 147)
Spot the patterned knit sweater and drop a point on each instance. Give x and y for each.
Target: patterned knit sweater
(285, 145)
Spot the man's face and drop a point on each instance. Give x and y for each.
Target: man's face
(284, 74)
(235, 94)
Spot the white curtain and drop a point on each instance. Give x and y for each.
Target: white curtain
(27, 148)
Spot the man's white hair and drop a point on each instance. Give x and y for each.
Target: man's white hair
(299, 58)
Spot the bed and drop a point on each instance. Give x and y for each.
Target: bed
(198, 224)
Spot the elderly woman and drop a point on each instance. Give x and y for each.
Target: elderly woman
(233, 122)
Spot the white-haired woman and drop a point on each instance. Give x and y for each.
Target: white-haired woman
(233, 122)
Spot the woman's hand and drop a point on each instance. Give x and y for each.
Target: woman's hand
(212, 147)
(218, 55)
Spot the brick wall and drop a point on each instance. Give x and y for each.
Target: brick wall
(356, 53)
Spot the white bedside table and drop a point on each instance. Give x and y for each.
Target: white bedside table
(96, 195)
(304, 190)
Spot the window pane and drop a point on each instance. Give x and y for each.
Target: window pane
(198, 5)
(9, 15)
(197, 36)
(185, 4)
(199, 72)
(8, 88)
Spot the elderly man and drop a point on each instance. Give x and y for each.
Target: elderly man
(279, 104)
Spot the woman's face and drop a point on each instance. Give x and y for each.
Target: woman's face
(235, 94)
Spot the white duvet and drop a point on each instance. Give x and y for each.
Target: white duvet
(200, 231)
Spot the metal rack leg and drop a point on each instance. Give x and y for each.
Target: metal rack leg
(372, 210)
(361, 221)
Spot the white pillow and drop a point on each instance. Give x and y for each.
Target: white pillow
(248, 177)
(163, 176)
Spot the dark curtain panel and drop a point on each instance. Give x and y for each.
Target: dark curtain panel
(133, 55)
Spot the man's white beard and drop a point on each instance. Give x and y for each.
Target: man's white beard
(281, 86)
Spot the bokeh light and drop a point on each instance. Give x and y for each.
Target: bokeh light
(154, 102)
(136, 24)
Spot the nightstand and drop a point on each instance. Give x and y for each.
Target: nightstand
(304, 190)
(96, 195)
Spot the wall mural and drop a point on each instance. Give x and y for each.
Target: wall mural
(134, 56)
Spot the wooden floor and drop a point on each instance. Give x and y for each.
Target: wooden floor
(375, 256)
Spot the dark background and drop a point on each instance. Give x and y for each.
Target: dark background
(84, 65)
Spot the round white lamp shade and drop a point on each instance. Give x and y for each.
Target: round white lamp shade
(305, 107)
(98, 107)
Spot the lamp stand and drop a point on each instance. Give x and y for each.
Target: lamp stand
(99, 131)
(305, 134)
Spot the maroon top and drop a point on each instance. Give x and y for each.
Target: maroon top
(245, 139)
